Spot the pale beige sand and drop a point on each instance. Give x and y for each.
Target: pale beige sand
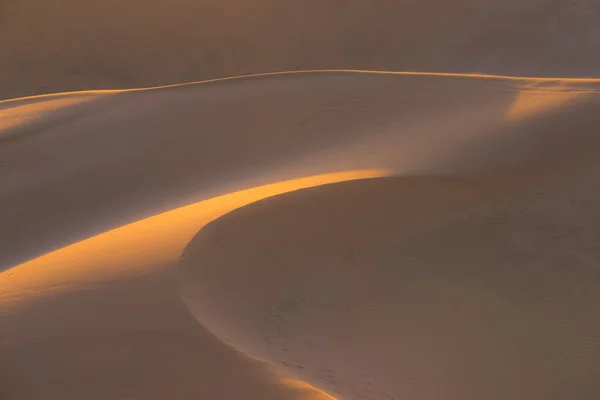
(54, 46)
(102, 317)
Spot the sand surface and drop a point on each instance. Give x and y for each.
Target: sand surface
(469, 272)
(344, 234)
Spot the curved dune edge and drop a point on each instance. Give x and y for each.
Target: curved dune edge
(535, 94)
(553, 93)
(136, 252)
(312, 393)
(380, 288)
(315, 71)
(135, 249)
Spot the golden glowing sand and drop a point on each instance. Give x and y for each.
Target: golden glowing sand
(533, 101)
(140, 247)
(37, 108)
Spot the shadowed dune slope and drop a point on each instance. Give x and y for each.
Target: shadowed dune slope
(420, 288)
(82, 44)
(127, 339)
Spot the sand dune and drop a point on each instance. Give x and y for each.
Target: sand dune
(411, 287)
(343, 283)
(77, 45)
(124, 156)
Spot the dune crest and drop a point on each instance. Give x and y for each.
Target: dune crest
(109, 265)
(75, 45)
(138, 248)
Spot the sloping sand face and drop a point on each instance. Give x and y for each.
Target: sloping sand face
(413, 288)
(92, 230)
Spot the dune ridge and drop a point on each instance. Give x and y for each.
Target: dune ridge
(74, 45)
(555, 79)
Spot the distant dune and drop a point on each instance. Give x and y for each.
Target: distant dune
(63, 45)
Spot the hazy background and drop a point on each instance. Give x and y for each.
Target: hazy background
(58, 45)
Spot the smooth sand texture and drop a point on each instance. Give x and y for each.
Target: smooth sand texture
(411, 287)
(62, 45)
(469, 274)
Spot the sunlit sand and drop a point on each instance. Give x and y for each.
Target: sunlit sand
(490, 140)
(138, 248)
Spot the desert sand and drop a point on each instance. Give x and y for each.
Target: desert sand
(314, 234)
(64, 45)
